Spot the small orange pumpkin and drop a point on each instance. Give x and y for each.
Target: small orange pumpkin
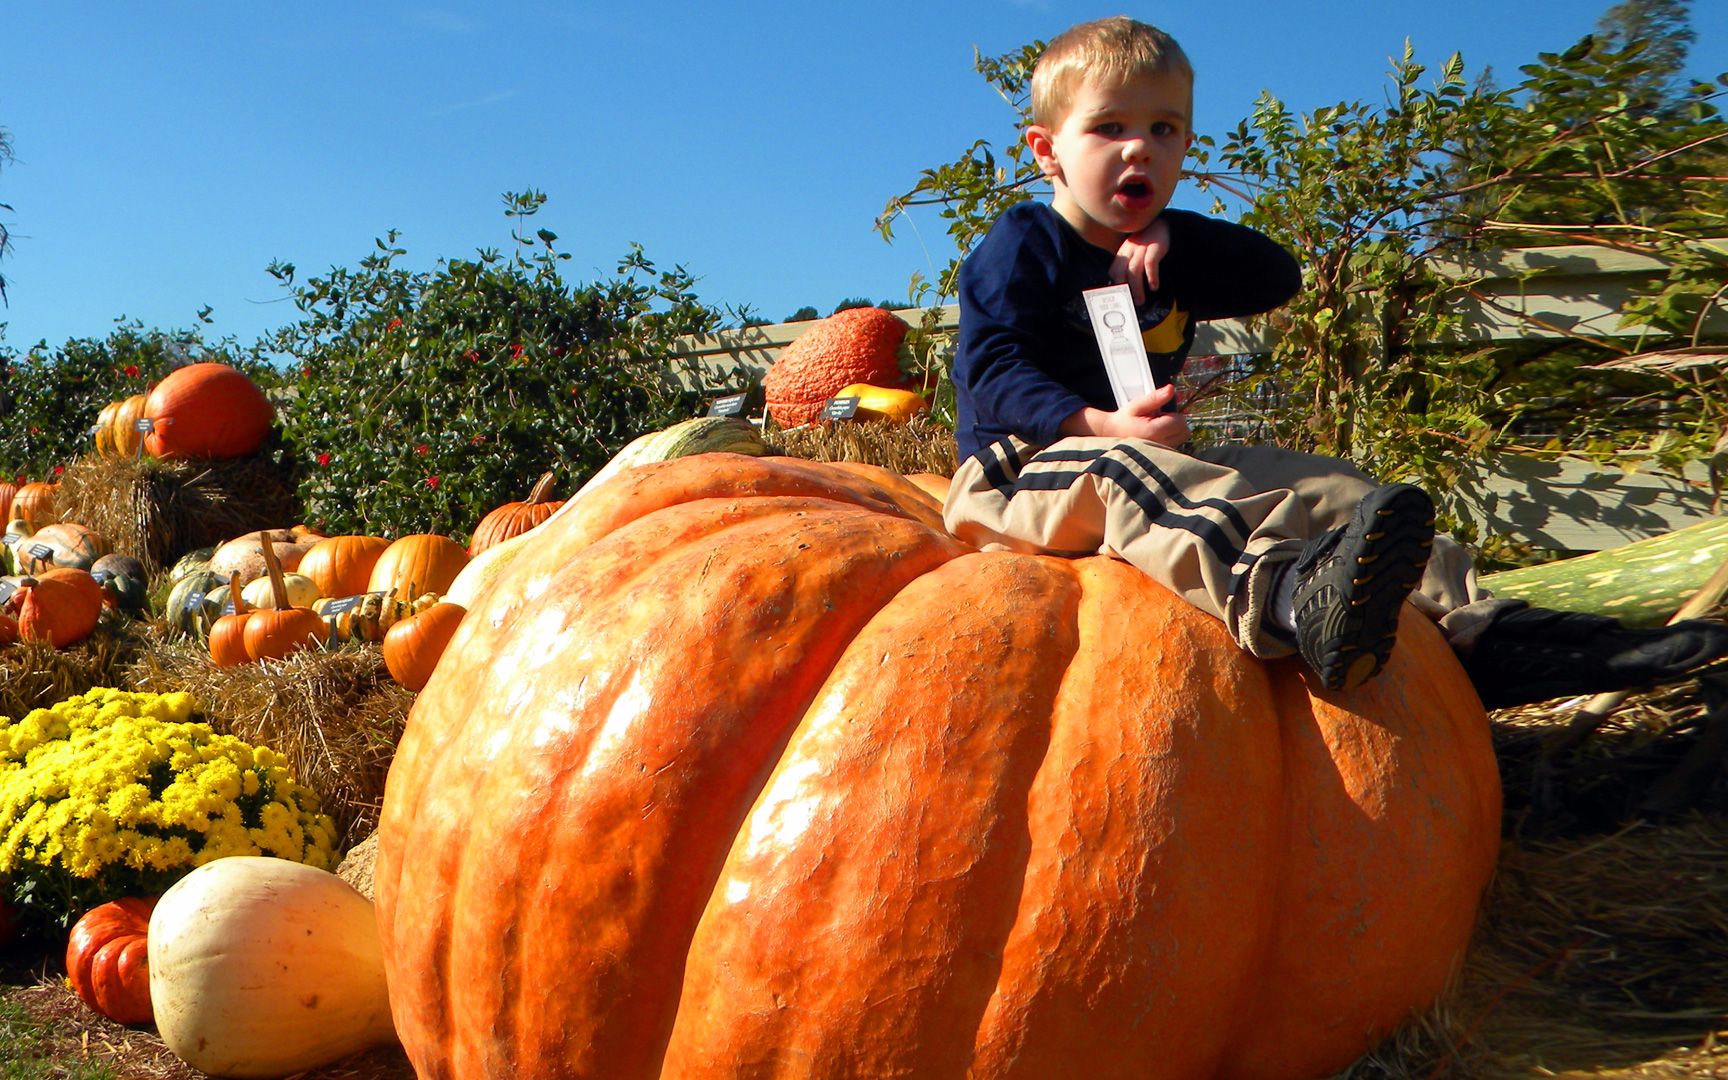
(273, 633)
(413, 645)
(342, 565)
(34, 504)
(108, 961)
(417, 564)
(207, 410)
(228, 633)
(60, 606)
(515, 518)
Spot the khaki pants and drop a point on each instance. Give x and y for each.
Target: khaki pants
(1211, 526)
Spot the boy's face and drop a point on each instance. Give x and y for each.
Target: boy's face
(1115, 158)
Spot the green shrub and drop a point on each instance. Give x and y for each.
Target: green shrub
(49, 398)
(419, 401)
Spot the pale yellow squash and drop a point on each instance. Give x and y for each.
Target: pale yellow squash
(264, 968)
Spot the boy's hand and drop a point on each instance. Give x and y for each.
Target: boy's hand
(1155, 418)
(1137, 259)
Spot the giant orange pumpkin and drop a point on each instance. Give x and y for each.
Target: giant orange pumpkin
(746, 767)
(207, 410)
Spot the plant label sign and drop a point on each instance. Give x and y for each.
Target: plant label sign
(346, 603)
(840, 408)
(7, 588)
(11, 539)
(730, 405)
(145, 424)
(40, 552)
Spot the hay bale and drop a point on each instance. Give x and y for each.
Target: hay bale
(918, 446)
(156, 510)
(336, 716)
(34, 675)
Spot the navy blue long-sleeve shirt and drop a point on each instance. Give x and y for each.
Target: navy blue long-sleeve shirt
(1027, 359)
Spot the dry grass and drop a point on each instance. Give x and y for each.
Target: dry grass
(35, 675)
(157, 510)
(920, 446)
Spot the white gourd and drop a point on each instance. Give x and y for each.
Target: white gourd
(264, 967)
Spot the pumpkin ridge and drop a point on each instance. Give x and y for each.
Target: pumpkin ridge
(1388, 937)
(864, 559)
(812, 858)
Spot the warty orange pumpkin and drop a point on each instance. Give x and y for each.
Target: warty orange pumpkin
(858, 345)
(746, 767)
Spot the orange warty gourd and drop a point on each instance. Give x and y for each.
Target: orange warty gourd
(746, 766)
(342, 565)
(858, 345)
(107, 959)
(515, 518)
(417, 564)
(207, 410)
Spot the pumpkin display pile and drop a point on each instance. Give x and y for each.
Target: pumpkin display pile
(623, 832)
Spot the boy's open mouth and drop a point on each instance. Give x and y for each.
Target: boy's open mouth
(1134, 193)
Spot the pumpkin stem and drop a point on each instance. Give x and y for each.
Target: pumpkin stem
(273, 567)
(542, 491)
(234, 593)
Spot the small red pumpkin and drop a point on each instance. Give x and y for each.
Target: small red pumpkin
(207, 410)
(858, 345)
(108, 960)
(515, 518)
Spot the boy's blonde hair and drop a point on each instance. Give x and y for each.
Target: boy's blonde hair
(1113, 50)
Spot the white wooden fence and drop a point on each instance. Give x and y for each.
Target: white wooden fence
(1532, 294)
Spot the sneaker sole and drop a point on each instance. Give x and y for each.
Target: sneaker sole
(1387, 547)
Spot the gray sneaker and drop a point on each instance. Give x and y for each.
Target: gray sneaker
(1352, 581)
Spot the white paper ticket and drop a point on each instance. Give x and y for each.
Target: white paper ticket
(1117, 328)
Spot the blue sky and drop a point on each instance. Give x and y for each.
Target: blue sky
(166, 153)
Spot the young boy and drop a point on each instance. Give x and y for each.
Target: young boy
(1293, 552)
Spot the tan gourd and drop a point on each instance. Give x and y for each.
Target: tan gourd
(264, 968)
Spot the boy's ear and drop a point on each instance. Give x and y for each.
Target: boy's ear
(1043, 149)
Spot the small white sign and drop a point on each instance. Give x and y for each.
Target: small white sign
(1117, 328)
